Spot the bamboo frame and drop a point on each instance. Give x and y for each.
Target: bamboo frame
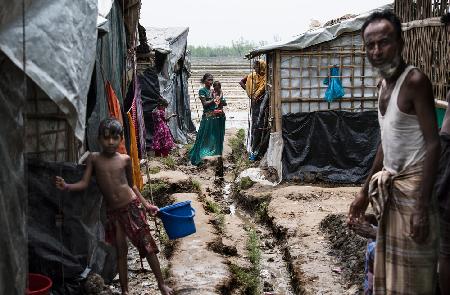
(277, 90)
(48, 134)
(426, 40)
(348, 55)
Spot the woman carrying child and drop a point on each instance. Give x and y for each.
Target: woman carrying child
(162, 142)
(209, 140)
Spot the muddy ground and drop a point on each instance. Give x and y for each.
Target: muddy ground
(251, 238)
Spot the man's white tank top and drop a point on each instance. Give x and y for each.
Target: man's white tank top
(401, 136)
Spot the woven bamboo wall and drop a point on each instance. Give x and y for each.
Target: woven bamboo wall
(409, 10)
(302, 75)
(49, 137)
(426, 46)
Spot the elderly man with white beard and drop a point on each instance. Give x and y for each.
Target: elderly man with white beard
(400, 184)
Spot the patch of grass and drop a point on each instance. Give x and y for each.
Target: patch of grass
(154, 170)
(167, 245)
(219, 217)
(246, 278)
(169, 161)
(246, 183)
(188, 146)
(237, 144)
(249, 277)
(261, 209)
(213, 207)
(238, 152)
(165, 272)
(254, 252)
(156, 188)
(196, 186)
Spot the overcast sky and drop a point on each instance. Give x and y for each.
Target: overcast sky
(219, 22)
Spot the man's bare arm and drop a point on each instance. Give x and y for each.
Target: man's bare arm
(421, 93)
(359, 205)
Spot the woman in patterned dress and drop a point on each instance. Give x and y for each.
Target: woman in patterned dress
(162, 142)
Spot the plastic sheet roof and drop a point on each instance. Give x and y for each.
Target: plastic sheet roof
(161, 39)
(60, 50)
(318, 36)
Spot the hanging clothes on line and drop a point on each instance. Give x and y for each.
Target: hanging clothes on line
(137, 176)
(138, 117)
(335, 89)
(115, 111)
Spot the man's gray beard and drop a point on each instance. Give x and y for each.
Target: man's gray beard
(388, 70)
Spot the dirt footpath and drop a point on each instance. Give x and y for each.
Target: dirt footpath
(287, 239)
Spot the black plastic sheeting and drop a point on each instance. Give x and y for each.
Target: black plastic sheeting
(149, 83)
(259, 139)
(109, 66)
(330, 146)
(13, 199)
(66, 250)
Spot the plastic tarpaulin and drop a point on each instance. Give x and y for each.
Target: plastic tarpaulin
(318, 36)
(148, 80)
(13, 199)
(272, 158)
(110, 64)
(75, 246)
(173, 76)
(60, 38)
(330, 146)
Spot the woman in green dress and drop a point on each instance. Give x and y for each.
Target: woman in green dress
(209, 140)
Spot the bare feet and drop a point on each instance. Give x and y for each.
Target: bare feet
(165, 290)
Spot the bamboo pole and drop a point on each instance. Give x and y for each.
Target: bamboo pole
(277, 91)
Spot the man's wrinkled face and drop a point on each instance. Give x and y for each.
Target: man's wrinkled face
(383, 47)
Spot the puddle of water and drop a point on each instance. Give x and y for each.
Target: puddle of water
(226, 196)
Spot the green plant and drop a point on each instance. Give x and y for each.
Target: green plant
(154, 170)
(254, 252)
(167, 245)
(169, 161)
(261, 209)
(246, 183)
(246, 278)
(188, 146)
(196, 186)
(213, 207)
(219, 217)
(165, 272)
(156, 188)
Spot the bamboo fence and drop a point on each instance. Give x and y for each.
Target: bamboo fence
(426, 41)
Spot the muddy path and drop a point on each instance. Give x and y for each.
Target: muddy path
(251, 238)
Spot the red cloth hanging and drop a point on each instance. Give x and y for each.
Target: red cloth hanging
(115, 111)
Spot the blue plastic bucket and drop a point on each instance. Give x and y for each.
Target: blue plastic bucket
(178, 219)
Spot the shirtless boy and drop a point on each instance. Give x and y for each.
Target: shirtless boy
(125, 204)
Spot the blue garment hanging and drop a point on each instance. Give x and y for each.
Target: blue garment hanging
(335, 89)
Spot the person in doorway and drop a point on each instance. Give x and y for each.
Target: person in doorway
(210, 135)
(125, 205)
(400, 184)
(443, 192)
(255, 86)
(162, 142)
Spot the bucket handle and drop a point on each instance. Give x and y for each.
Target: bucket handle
(176, 216)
